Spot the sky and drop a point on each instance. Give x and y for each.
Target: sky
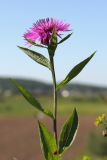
(88, 21)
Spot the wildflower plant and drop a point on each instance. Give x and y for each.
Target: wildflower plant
(47, 34)
(102, 121)
(86, 158)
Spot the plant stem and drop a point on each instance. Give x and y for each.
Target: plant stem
(55, 99)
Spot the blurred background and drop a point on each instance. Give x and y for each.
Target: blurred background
(87, 92)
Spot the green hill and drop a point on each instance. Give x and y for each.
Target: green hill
(41, 88)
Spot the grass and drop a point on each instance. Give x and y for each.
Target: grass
(83, 107)
(92, 158)
(18, 106)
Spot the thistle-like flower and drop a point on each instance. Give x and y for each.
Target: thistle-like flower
(47, 32)
(42, 30)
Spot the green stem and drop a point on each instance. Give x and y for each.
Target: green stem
(55, 99)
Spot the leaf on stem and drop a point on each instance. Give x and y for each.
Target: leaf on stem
(53, 43)
(68, 132)
(74, 72)
(48, 143)
(28, 96)
(35, 44)
(39, 58)
(65, 38)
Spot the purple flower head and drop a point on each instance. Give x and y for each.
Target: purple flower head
(42, 30)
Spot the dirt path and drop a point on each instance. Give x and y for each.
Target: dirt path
(19, 138)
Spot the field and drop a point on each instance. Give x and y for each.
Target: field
(17, 106)
(19, 131)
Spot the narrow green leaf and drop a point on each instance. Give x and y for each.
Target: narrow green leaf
(28, 96)
(48, 144)
(53, 43)
(74, 72)
(65, 38)
(68, 132)
(35, 44)
(39, 58)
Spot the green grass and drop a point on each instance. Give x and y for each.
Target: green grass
(91, 158)
(18, 106)
(83, 107)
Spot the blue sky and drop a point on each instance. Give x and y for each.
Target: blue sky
(89, 24)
